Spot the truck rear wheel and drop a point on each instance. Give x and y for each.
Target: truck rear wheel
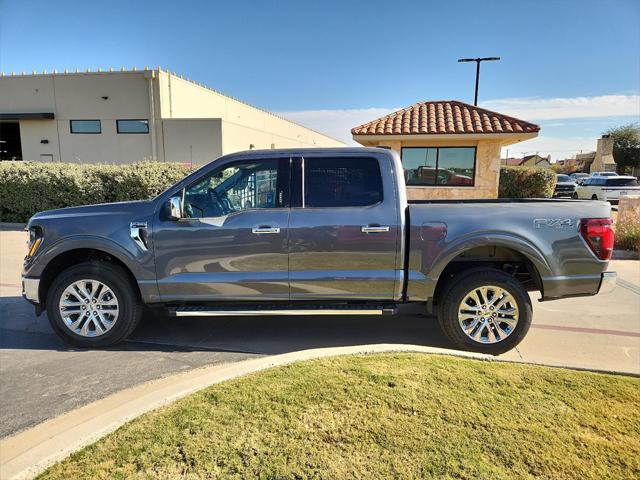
(485, 311)
(93, 304)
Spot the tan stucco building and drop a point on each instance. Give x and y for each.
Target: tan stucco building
(126, 116)
(449, 149)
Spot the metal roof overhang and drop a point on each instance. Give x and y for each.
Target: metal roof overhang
(27, 116)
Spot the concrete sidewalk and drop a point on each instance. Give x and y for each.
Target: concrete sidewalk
(40, 377)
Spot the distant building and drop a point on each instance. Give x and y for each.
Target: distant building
(126, 116)
(571, 164)
(585, 160)
(603, 160)
(599, 161)
(449, 149)
(527, 161)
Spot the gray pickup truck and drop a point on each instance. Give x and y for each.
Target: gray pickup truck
(313, 232)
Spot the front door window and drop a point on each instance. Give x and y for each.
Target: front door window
(234, 188)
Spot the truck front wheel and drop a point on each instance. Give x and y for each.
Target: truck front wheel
(93, 304)
(485, 311)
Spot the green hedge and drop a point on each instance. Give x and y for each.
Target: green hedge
(526, 182)
(27, 188)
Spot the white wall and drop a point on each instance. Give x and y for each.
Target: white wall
(230, 125)
(196, 141)
(32, 132)
(242, 124)
(79, 97)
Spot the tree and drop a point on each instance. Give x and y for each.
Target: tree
(626, 146)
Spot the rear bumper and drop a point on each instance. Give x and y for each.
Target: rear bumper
(608, 282)
(578, 285)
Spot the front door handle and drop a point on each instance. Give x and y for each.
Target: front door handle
(374, 229)
(265, 229)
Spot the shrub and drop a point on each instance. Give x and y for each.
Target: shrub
(27, 188)
(627, 224)
(526, 182)
(628, 235)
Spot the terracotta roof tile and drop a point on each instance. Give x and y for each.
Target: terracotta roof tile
(444, 117)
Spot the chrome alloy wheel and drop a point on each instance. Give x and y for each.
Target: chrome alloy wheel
(488, 314)
(88, 308)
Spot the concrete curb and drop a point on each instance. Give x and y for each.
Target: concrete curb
(28, 453)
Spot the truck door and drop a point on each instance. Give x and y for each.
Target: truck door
(231, 243)
(344, 232)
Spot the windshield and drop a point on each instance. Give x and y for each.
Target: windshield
(563, 178)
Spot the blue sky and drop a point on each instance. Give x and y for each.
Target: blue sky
(572, 66)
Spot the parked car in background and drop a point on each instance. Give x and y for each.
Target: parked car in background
(609, 188)
(565, 186)
(579, 177)
(604, 174)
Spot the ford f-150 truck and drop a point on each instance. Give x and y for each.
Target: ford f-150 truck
(313, 231)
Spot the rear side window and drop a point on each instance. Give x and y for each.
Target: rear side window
(622, 182)
(342, 182)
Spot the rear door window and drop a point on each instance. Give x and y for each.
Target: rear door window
(342, 182)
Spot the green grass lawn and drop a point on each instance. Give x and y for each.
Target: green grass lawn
(383, 416)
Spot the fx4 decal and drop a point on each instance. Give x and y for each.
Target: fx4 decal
(553, 223)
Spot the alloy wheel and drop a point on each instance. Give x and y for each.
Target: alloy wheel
(89, 308)
(488, 314)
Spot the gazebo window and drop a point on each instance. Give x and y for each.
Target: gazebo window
(439, 166)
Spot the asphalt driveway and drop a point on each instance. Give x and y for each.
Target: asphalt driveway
(40, 377)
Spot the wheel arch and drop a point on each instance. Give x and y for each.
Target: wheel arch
(500, 252)
(76, 256)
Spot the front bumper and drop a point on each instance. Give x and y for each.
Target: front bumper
(608, 282)
(30, 289)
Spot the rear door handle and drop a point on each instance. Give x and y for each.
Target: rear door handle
(265, 229)
(374, 229)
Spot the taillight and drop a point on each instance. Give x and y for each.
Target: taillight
(598, 234)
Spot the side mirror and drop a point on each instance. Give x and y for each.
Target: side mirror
(175, 208)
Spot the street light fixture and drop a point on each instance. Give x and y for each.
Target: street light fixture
(478, 60)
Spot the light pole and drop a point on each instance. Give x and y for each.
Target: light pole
(478, 60)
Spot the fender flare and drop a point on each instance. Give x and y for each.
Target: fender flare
(488, 239)
(92, 242)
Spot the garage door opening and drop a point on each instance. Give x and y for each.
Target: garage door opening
(10, 145)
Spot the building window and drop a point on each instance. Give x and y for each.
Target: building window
(342, 182)
(85, 126)
(439, 166)
(132, 126)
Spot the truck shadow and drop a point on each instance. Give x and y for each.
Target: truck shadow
(21, 329)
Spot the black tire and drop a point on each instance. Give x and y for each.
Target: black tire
(574, 195)
(456, 291)
(126, 293)
(594, 197)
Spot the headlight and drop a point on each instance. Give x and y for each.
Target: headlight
(35, 241)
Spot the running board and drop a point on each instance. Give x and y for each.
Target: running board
(208, 311)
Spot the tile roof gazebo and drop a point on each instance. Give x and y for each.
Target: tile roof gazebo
(450, 149)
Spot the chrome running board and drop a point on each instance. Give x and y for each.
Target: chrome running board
(208, 311)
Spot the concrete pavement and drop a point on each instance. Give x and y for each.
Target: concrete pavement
(40, 377)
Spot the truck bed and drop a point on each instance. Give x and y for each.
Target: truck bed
(543, 233)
